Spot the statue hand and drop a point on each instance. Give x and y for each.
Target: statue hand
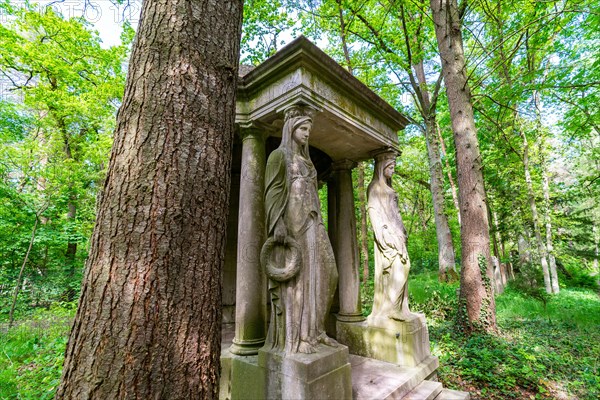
(280, 232)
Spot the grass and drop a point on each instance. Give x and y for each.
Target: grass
(31, 355)
(539, 353)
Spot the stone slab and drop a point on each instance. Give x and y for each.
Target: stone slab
(404, 343)
(427, 390)
(376, 380)
(325, 374)
(449, 394)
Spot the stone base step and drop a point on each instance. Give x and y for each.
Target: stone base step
(427, 390)
(449, 394)
(377, 380)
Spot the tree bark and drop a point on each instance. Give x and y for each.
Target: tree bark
(477, 310)
(149, 316)
(450, 179)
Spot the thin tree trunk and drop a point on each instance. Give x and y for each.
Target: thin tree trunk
(477, 309)
(71, 250)
(446, 256)
(546, 190)
(364, 245)
(549, 244)
(534, 216)
(449, 169)
(596, 265)
(498, 239)
(18, 284)
(148, 323)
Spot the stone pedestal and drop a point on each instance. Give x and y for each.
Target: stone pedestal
(404, 343)
(323, 375)
(241, 378)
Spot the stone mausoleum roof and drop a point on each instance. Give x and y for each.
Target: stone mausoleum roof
(351, 123)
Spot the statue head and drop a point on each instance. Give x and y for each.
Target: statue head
(297, 126)
(385, 164)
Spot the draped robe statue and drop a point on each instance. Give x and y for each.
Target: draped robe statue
(298, 257)
(392, 264)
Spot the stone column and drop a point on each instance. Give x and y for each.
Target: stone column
(251, 292)
(346, 243)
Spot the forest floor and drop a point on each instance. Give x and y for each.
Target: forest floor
(539, 353)
(550, 352)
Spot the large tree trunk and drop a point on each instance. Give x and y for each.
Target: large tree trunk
(149, 316)
(477, 309)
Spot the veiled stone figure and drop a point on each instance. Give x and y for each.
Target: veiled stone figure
(391, 256)
(297, 256)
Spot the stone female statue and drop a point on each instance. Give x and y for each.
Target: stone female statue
(297, 256)
(392, 264)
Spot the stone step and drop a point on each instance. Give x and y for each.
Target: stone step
(377, 380)
(427, 390)
(449, 394)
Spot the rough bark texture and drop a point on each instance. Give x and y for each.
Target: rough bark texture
(477, 310)
(149, 316)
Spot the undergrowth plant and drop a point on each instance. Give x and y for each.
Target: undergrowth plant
(32, 353)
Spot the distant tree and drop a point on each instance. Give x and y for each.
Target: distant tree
(149, 315)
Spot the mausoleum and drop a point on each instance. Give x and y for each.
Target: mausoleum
(300, 87)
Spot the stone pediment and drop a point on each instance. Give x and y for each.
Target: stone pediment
(352, 121)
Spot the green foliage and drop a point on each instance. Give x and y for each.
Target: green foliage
(264, 24)
(437, 300)
(529, 281)
(538, 353)
(32, 353)
(55, 137)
